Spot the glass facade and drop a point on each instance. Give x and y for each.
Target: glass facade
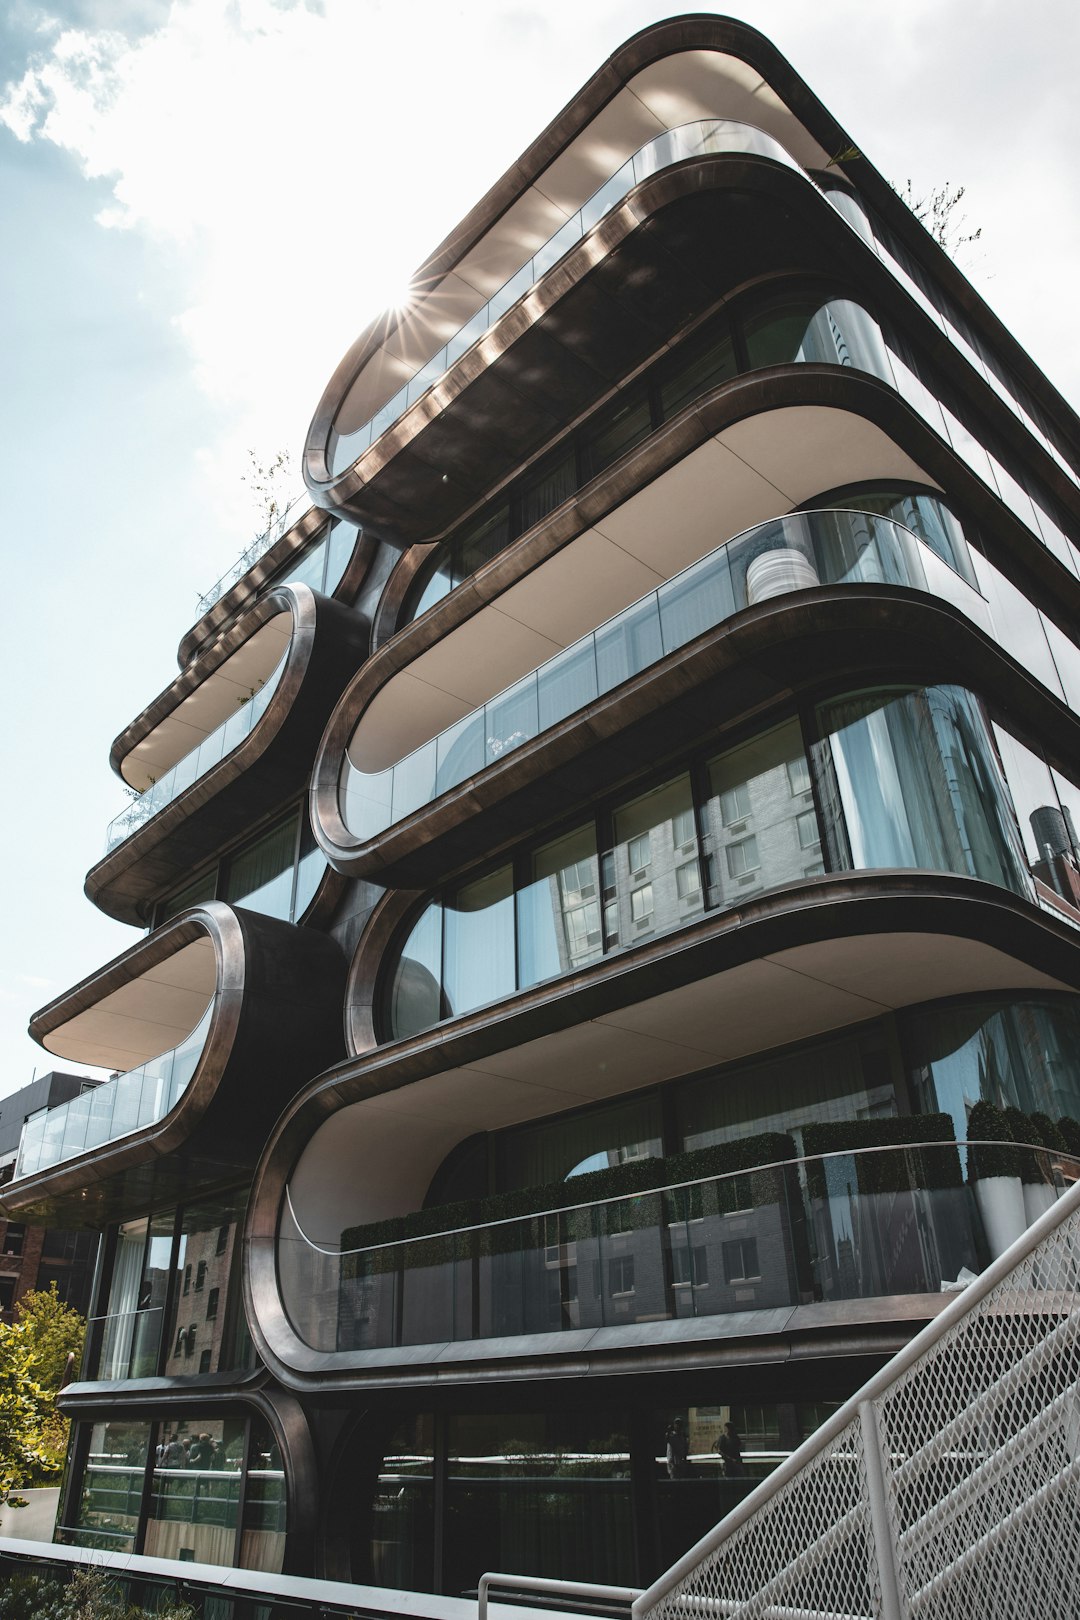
(199, 1488)
(277, 873)
(909, 778)
(173, 1296)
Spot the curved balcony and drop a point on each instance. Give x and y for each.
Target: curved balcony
(787, 554)
(209, 1051)
(701, 138)
(786, 1235)
(162, 790)
(232, 738)
(128, 1102)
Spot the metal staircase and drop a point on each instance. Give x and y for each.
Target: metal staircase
(948, 1488)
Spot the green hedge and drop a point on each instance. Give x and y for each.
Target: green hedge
(1070, 1132)
(1024, 1130)
(886, 1172)
(988, 1124)
(647, 1177)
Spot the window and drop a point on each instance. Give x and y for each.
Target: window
(639, 852)
(212, 1303)
(808, 830)
(7, 1292)
(683, 829)
(13, 1238)
(222, 1239)
(187, 1279)
(690, 1267)
(641, 905)
(189, 1340)
(741, 1261)
(621, 1274)
(204, 1362)
(688, 881)
(735, 803)
(742, 858)
(798, 775)
(200, 1275)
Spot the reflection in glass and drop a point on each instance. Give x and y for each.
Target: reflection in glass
(558, 912)
(416, 995)
(652, 879)
(759, 795)
(912, 781)
(207, 1331)
(478, 964)
(1019, 1054)
(403, 1512)
(107, 1513)
(195, 1490)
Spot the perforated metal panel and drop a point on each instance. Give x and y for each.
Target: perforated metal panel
(951, 1491)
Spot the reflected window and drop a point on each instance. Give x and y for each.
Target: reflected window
(923, 513)
(107, 1511)
(277, 874)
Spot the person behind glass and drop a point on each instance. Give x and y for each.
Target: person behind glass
(730, 1449)
(201, 1454)
(676, 1450)
(173, 1454)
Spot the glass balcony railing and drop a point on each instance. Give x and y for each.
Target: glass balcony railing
(786, 554)
(699, 139)
(127, 1103)
(213, 748)
(258, 548)
(839, 1227)
(126, 1344)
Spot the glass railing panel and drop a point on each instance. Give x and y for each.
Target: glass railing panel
(30, 1143)
(511, 719)
(566, 683)
(127, 1342)
(414, 780)
(689, 141)
(702, 596)
(460, 752)
(796, 552)
(124, 1104)
(862, 1225)
(258, 548)
(628, 644)
(195, 764)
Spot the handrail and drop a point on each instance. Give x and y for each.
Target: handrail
(857, 1406)
(649, 1192)
(545, 1585)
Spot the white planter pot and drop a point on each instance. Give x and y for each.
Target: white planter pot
(1000, 1201)
(775, 573)
(37, 1520)
(1038, 1198)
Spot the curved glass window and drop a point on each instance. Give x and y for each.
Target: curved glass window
(910, 779)
(1017, 1054)
(907, 777)
(786, 329)
(323, 563)
(276, 874)
(924, 514)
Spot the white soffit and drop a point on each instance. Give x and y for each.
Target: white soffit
(145, 1017)
(677, 90)
(213, 702)
(756, 470)
(352, 1170)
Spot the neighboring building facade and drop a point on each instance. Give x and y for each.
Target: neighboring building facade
(38, 1256)
(633, 798)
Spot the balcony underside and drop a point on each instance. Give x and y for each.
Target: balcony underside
(269, 766)
(799, 962)
(682, 68)
(277, 995)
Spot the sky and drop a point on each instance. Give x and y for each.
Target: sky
(203, 202)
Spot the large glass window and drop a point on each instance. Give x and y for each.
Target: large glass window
(276, 874)
(195, 1487)
(924, 514)
(913, 782)
(1018, 1054)
(908, 778)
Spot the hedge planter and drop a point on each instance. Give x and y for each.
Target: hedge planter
(1000, 1202)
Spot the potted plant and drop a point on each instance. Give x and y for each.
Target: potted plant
(994, 1172)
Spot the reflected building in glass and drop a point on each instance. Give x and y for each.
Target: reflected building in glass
(594, 857)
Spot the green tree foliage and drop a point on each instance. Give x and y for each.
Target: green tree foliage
(34, 1351)
(89, 1595)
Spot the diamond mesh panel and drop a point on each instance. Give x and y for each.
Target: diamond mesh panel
(978, 1445)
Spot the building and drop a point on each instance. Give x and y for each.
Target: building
(633, 798)
(35, 1256)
